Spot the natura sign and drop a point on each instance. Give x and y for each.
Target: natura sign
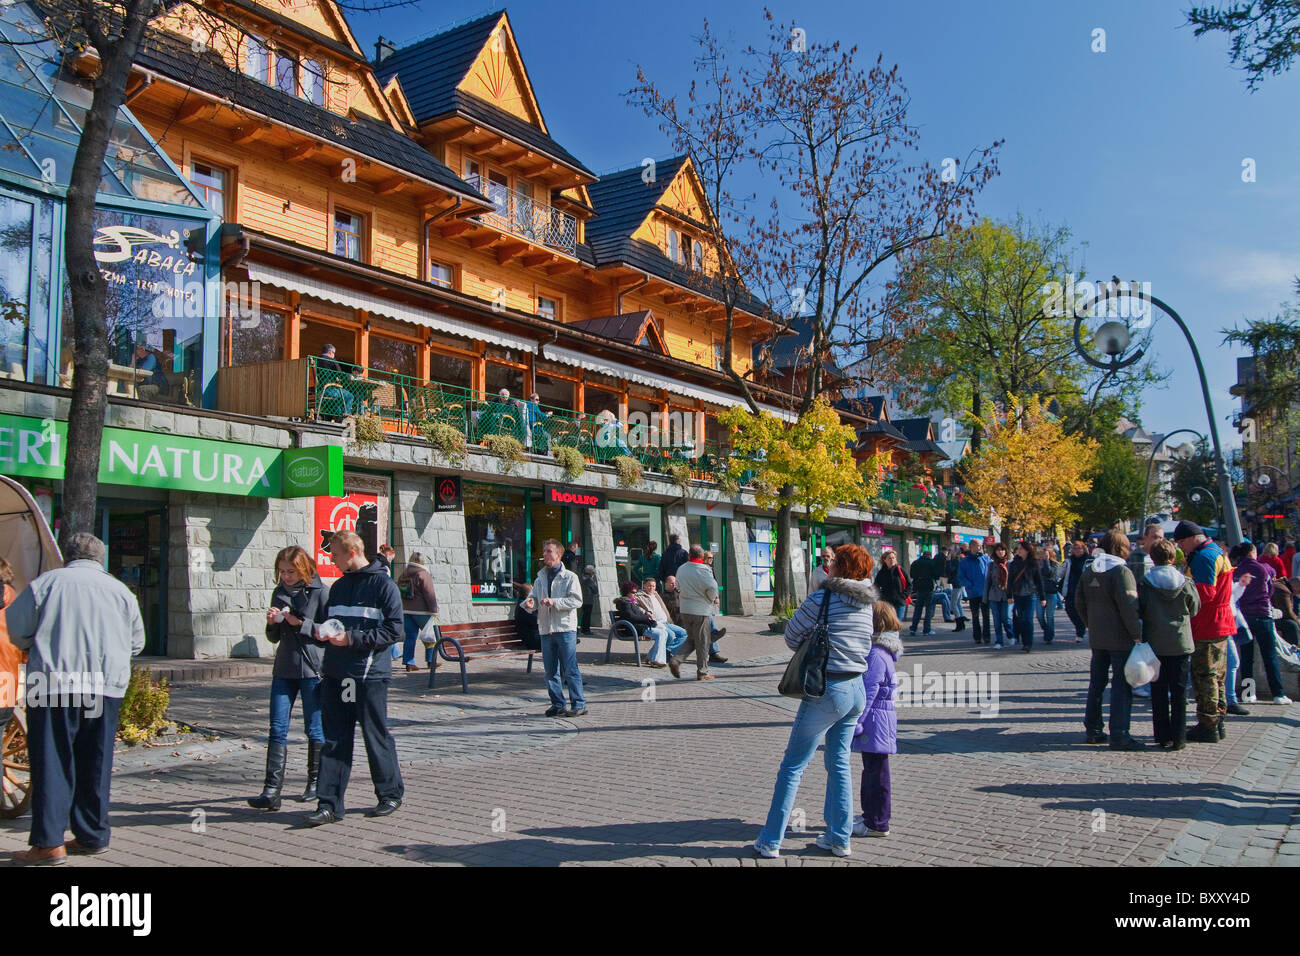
(35, 448)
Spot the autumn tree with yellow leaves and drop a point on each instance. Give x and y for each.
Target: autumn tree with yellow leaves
(812, 457)
(1028, 469)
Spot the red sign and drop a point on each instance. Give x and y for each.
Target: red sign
(349, 513)
(873, 528)
(583, 498)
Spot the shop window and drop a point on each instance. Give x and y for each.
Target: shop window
(635, 526)
(393, 355)
(213, 184)
(762, 546)
(154, 310)
(349, 234)
(496, 519)
(442, 275)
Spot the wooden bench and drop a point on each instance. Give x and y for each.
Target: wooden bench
(459, 643)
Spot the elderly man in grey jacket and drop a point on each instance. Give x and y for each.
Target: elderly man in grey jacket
(698, 590)
(81, 626)
(556, 596)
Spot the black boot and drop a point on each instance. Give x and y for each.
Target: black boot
(313, 771)
(961, 625)
(276, 756)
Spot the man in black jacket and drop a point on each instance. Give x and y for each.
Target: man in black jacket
(1077, 560)
(923, 580)
(354, 687)
(674, 556)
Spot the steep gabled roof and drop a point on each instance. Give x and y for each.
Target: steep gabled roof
(632, 328)
(916, 429)
(347, 48)
(176, 60)
(622, 201)
(431, 71)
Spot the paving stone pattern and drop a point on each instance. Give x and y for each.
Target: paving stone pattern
(666, 772)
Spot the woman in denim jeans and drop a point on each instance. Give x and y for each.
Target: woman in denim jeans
(833, 716)
(997, 590)
(297, 605)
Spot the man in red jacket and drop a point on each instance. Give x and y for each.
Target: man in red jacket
(1212, 627)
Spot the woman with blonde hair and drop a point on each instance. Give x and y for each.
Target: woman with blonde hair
(297, 605)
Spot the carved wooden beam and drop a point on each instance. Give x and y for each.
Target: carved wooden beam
(455, 228)
(480, 241)
(391, 186)
(243, 135)
(305, 151)
(196, 111)
(536, 258)
(563, 267)
(510, 250)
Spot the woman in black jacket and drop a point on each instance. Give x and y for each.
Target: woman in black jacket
(1024, 583)
(627, 609)
(892, 582)
(297, 605)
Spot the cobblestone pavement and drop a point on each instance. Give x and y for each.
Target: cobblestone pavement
(680, 772)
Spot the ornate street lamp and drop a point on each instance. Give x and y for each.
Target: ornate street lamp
(1112, 338)
(1155, 448)
(1197, 491)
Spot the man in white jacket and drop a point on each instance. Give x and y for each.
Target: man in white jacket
(557, 595)
(698, 590)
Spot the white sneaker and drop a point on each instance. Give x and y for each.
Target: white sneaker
(860, 829)
(765, 853)
(823, 842)
(1282, 699)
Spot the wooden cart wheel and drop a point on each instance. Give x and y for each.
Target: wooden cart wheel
(17, 781)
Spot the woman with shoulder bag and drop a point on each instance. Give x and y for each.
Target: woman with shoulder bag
(297, 605)
(848, 597)
(892, 582)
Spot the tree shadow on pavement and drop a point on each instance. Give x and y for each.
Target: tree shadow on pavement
(1153, 800)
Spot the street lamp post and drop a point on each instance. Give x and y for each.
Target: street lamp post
(1146, 491)
(1262, 481)
(1113, 338)
(1197, 491)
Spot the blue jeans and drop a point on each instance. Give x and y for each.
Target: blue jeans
(1001, 620)
(1047, 617)
(1024, 618)
(1234, 664)
(412, 621)
(955, 594)
(1109, 665)
(560, 657)
(942, 599)
(668, 634)
(1266, 640)
(835, 717)
(283, 692)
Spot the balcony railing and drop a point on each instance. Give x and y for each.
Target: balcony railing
(528, 218)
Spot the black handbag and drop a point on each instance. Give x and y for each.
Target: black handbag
(805, 675)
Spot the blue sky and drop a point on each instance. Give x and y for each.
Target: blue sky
(1138, 150)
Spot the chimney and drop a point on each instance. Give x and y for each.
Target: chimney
(383, 48)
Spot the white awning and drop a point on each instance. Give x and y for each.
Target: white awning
(305, 285)
(615, 370)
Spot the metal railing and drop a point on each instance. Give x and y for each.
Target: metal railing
(404, 403)
(528, 218)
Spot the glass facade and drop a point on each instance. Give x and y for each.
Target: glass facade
(496, 526)
(762, 546)
(635, 525)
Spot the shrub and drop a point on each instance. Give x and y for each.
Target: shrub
(144, 707)
(506, 447)
(445, 439)
(727, 483)
(629, 471)
(680, 473)
(570, 460)
(367, 432)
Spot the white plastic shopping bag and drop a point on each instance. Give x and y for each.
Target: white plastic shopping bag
(1142, 666)
(429, 634)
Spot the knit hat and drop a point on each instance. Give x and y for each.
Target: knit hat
(1186, 529)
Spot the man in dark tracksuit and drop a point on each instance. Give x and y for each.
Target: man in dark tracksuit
(355, 675)
(924, 576)
(1076, 562)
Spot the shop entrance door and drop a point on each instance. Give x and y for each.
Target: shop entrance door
(713, 537)
(136, 536)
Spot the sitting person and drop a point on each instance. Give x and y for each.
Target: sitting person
(627, 608)
(668, 636)
(146, 360)
(611, 433)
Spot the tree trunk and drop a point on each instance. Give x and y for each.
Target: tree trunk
(783, 592)
(976, 408)
(87, 289)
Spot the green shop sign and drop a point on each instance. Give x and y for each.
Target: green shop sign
(34, 448)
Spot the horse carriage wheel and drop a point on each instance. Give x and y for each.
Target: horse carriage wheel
(17, 781)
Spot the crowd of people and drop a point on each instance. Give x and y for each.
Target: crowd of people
(1203, 612)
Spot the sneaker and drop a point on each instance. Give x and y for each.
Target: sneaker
(555, 712)
(580, 712)
(1282, 699)
(928, 634)
(1238, 711)
(1097, 738)
(823, 842)
(1128, 743)
(766, 853)
(860, 829)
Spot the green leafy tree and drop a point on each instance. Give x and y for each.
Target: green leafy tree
(1118, 478)
(1275, 386)
(1198, 472)
(1265, 34)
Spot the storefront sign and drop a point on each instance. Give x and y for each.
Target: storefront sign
(357, 512)
(34, 448)
(309, 472)
(577, 497)
(962, 538)
(873, 528)
(713, 509)
(447, 493)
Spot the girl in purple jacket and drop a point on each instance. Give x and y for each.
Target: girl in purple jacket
(876, 736)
